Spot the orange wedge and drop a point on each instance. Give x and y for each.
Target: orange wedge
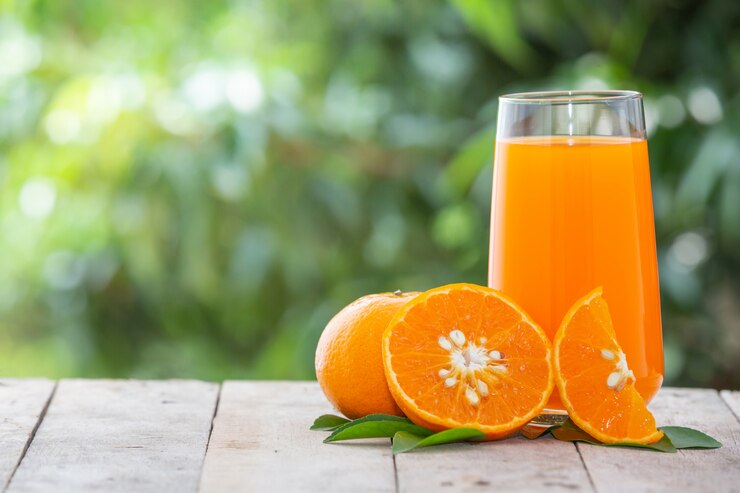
(467, 356)
(593, 377)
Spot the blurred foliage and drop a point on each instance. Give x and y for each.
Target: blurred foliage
(193, 188)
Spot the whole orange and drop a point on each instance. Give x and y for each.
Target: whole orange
(349, 361)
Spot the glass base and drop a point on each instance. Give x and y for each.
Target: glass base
(556, 414)
(543, 422)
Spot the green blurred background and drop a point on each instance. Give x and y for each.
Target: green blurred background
(193, 189)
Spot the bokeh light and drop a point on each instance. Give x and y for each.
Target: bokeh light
(194, 189)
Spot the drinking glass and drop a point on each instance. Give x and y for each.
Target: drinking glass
(572, 210)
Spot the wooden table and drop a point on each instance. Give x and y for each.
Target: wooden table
(180, 436)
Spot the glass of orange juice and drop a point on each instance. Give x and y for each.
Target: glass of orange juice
(572, 210)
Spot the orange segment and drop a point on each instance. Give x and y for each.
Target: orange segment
(467, 356)
(593, 377)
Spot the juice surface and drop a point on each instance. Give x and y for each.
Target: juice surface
(570, 214)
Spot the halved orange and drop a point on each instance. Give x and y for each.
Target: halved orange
(467, 356)
(593, 377)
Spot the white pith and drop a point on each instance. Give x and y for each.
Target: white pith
(621, 374)
(471, 364)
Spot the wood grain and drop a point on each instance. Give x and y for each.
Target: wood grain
(261, 442)
(22, 403)
(117, 435)
(636, 471)
(108, 435)
(512, 465)
(732, 399)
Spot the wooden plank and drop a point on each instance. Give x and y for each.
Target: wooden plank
(620, 469)
(513, 465)
(22, 405)
(120, 435)
(732, 399)
(261, 442)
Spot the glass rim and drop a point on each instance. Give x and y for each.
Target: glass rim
(570, 97)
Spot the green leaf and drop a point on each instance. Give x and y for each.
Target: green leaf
(404, 441)
(676, 437)
(328, 422)
(375, 426)
(683, 437)
(569, 432)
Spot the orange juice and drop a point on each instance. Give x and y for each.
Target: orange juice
(573, 213)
